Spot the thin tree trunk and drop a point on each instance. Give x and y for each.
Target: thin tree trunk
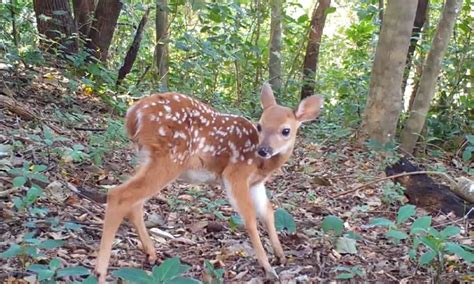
(420, 18)
(310, 65)
(274, 65)
(133, 50)
(417, 117)
(12, 14)
(384, 101)
(161, 49)
(83, 15)
(381, 12)
(54, 20)
(103, 27)
(258, 68)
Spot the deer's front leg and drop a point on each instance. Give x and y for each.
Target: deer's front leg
(266, 213)
(240, 197)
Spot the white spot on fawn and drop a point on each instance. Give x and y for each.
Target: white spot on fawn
(162, 131)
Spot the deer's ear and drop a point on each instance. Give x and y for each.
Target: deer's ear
(309, 108)
(267, 99)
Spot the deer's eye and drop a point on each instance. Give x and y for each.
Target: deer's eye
(285, 132)
(259, 128)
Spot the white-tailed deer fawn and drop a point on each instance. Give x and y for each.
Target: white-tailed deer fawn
(181, 138)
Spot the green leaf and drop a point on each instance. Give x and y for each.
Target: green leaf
(73, 271)
(430, 242)
(382, 222)
(412, 254)
(91, 279)
(182, 280)
(421, 224)
(405, 212)
(284, 220)
(19, 181)
(54, 264)
(37, 268)
(427, 257)
(354, 235)
(42, 270)
(169, 269)
(450, 231)
(333, 223)
(330, 10)
(133, 275)
(50, 244)
(347, 275)
(39, 168)
(395, 234)
(12, 251)
(39, 177)
(346, 245)
(460, 251)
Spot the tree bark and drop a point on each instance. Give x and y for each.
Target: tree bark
(83, 15)
(161, 49)
(421, 104)
(54, 20)
(384, 101)
(274, 65)
(103, 27)
(258, 23)
(12, 14)
(133, 50)
(420, 18)
(310, 64)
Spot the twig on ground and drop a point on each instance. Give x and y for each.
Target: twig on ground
(451, 181)
(8, 192)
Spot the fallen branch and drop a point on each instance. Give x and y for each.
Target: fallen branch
(97, 197)
(7, 192)
(90, 129)
(22, 110)
(451, 181)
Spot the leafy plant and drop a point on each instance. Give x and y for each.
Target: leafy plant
(213, 206)
(349, 272)
(393, 193)
(346, 243)
(284, 221)
(30, 247)
(169, 271)
(429, 245)
(217, 275)
(28, 173)
(53, 271)
(75, 154)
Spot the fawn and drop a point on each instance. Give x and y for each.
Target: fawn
(182, 138)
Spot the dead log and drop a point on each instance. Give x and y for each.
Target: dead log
(424, 192)
(133, 50)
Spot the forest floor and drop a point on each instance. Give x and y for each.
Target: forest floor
(197, 218)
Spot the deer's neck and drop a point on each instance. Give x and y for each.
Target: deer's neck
(267, 167)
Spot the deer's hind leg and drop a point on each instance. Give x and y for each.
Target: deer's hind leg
(126, 199)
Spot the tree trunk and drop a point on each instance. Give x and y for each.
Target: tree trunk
(83, 15)
(258, 22)
(161, 49)
(420, 19)
(274, 65)
(103, 27)
(133, 50)
(310, 64)
(13, 19)
(384, 101)
(54, 20)
(424, 95)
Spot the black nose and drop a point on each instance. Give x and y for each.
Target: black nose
(264, 151)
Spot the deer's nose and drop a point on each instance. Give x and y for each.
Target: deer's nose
(264, 151)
